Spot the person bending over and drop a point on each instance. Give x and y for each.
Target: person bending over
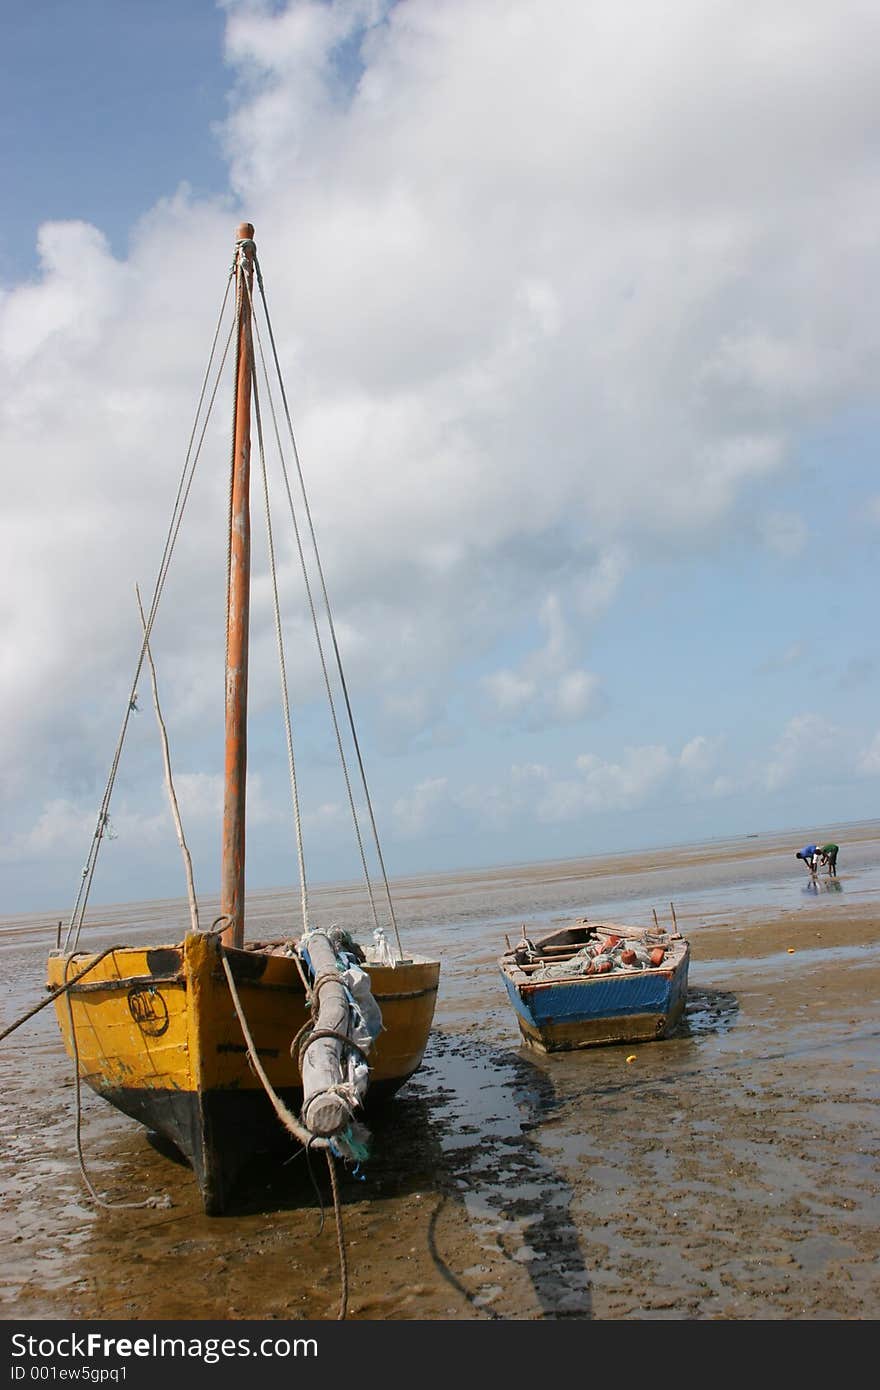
(828, 857)
(810, 856)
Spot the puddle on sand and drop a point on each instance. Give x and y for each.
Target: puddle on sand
(485, 1107)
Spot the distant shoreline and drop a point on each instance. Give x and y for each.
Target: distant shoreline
(750, 844)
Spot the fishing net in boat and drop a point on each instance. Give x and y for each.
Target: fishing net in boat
(601, 957)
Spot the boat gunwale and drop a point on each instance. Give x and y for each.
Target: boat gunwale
(526, 986)
(678, 946)
(118, 982)
(294, 986)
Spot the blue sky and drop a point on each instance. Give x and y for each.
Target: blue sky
(108, 105)
(576, 318)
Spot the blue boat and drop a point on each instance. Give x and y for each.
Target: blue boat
(593, 983)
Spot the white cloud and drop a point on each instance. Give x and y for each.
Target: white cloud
(57, 823)
(420, 811)
(785, 533)
(596, 591)
(529, 772)
(575, 695)
(614, 785)
(535, 332)
(328, 817)
(200, 796)
(510, 691)
(547, 688)
(407, 714)
(698, 756)
(868, 764)
(790, 656)
(807, 743)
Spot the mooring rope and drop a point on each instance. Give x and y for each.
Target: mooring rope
(292, 1124)
(163, 1201)
(287, 1118)
(340, 1240)
(56, 993)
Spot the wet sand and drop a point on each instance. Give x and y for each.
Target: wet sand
(729, 1172)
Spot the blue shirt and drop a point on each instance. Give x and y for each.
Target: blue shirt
(807, 852)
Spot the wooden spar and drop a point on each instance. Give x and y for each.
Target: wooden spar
(324, 1111)
(237, 613)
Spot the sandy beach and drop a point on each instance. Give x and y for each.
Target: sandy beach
(729, 1172)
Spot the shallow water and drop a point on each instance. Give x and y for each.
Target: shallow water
(729, 1170)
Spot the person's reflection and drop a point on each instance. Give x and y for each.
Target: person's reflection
(823, 885)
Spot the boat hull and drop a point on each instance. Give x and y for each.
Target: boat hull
(156, 1034)
(580, 1011)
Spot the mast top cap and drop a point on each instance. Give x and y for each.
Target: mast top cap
(245, 232)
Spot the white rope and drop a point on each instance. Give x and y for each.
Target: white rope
(169, 781)
(183, 491)
(287, 1118)
(285, 698)
(299, 1131)
(330, 622)
(156, 1201)
(317, 631)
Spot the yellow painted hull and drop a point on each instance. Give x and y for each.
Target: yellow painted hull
(157, 1035)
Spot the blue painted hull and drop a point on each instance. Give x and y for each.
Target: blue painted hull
(587, 1011)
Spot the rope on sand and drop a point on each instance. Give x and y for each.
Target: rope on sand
(164, 1201)
(294, 1127)
(288, 1119)
(340, 1240)
(56, 993)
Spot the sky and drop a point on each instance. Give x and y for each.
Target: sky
(575, 308)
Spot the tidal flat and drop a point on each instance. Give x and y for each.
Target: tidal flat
(731, 1171)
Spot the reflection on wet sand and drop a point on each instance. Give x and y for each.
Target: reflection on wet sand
(518, 1205)
(823, 885)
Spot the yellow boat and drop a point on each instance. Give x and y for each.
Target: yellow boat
(155, 1034)
(203, 1039)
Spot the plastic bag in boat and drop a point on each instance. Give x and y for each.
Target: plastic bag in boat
(367, 1029)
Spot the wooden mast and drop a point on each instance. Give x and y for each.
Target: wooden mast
(237, 611)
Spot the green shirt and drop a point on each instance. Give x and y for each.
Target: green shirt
(828, 849)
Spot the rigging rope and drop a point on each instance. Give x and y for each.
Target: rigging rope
(317, 631)
(172, 795)
(329, 613)
(183, 490)
(57, 992)
(279, 639)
